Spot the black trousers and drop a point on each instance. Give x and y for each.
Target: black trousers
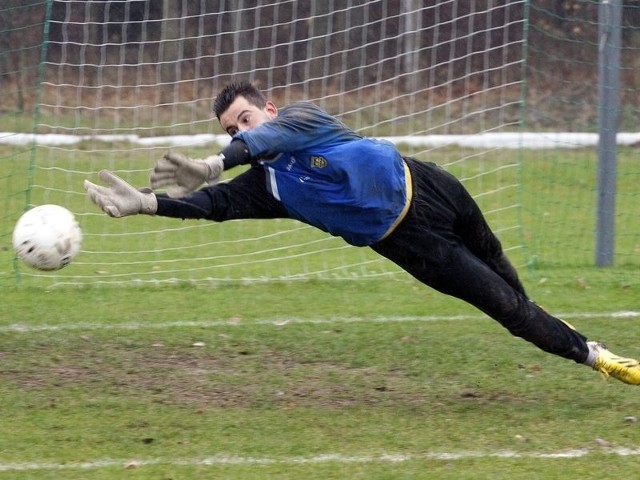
(446, 243)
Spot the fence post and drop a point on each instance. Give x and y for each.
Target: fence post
(609, 19)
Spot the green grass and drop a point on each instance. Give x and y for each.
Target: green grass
(284, 374)
(312, 379)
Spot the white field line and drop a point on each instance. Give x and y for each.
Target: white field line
(33, 328)
(226, 460)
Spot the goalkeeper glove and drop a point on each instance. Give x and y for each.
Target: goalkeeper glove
(120, 199)
(185, 175)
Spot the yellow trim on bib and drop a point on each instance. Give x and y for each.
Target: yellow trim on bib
(407, 203)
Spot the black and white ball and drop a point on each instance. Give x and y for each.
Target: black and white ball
(47, 237)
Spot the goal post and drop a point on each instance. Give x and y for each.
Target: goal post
(571, 88)
(609, 31)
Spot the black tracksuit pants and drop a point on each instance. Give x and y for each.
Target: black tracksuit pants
(445, 242)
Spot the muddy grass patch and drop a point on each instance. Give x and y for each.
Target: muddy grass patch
(228, 377)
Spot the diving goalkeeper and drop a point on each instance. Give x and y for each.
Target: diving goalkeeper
(307, 165)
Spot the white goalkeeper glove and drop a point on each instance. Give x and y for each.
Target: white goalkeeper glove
(185, 175)
(120, 199)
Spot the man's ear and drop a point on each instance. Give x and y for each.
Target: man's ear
(271, 109)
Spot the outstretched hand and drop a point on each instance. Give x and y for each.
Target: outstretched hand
(120, 199)
(184, 175)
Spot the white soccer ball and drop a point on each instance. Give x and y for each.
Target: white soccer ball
(47, 237)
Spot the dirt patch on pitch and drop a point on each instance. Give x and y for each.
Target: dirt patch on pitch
(197, 377)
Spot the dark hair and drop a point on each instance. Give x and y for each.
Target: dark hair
(237, 89)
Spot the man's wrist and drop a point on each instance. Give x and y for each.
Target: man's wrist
(214, 167)
(236, 153)
(148, 202)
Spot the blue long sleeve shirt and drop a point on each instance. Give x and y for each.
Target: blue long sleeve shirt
(328, 176)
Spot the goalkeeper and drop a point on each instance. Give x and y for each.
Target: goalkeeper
(307, 165)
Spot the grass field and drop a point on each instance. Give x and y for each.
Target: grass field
(380, 378)
(313, 380)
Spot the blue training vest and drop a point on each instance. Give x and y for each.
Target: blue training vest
(328, 176)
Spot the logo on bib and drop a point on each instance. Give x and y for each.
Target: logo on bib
(318, 162)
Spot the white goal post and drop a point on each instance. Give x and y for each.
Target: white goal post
(123, 81)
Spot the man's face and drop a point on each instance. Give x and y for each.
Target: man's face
(242, 116)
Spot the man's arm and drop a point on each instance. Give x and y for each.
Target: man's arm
(245, 196)
(299, 126)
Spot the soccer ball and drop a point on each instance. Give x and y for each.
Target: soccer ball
(47, 237)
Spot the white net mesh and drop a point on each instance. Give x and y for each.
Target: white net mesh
(127, 80)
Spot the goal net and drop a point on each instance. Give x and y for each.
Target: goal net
(116, 84)
(566, 43)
